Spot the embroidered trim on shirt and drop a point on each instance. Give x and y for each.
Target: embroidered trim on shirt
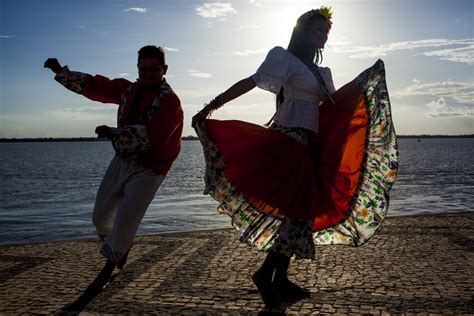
(150, 112)
(130, 140)
(72, 80)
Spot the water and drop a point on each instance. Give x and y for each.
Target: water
(435, 176)
(47, 190)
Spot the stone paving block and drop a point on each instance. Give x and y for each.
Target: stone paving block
(413, 265)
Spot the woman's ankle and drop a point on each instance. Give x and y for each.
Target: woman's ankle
(264, 274)
(280, 277)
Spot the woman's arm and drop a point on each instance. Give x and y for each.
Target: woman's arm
(235, 91)
(241, 87)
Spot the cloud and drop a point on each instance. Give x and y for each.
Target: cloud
(439, 108)
(198, 74)
(138, 10)
(169, 49)
(464, 54)
(251, 52)
(6, 36)
(452, 99)
(215, 10)
(461, 54)
(124, 74)
(460, 92)
(255, 2)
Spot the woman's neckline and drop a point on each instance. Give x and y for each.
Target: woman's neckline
(312, 64)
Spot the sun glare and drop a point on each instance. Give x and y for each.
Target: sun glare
(278, 22)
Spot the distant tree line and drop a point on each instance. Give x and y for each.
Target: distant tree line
(95, 139)
(70, 139)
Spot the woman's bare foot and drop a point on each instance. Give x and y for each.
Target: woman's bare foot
(289, 289)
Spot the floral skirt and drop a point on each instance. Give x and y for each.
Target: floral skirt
(288, 195)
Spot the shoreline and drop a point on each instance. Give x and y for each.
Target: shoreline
(94, 239)
(413, 264)
(204, 229)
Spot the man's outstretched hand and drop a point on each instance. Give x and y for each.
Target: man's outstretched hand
(103, 131)
(53, 64)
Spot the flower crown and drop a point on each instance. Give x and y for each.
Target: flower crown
(326, 12)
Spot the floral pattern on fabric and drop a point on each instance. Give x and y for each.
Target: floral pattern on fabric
(72, 80)
(295, 238)
(153, 108)
(123, 102)
(370, 203)
(130, 140)
(255, 228)
(265, 232)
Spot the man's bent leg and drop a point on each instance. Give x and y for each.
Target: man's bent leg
(139, 191)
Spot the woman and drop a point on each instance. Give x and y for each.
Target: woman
(322, 171)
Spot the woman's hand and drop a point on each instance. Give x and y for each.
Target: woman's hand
(215, 103)
(201, 116)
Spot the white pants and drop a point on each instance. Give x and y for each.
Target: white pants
(122, 199)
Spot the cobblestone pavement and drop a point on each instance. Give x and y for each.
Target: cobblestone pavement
(415, 264)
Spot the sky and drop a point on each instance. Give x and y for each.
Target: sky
(427, 47)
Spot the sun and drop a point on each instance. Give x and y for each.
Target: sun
(279, 20)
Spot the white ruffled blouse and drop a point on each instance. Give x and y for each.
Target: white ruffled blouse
(301, 90)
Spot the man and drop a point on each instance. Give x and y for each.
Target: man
(147, 140)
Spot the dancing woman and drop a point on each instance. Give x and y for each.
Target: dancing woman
(319, 174)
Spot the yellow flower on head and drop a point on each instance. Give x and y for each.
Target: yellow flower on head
(326, 12)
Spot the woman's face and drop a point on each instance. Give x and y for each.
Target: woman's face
(318, 33)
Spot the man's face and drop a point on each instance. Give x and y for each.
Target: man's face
(150, 71)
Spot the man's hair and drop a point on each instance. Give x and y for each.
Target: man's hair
(151, 51)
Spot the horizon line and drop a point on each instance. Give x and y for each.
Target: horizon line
(191, 137)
